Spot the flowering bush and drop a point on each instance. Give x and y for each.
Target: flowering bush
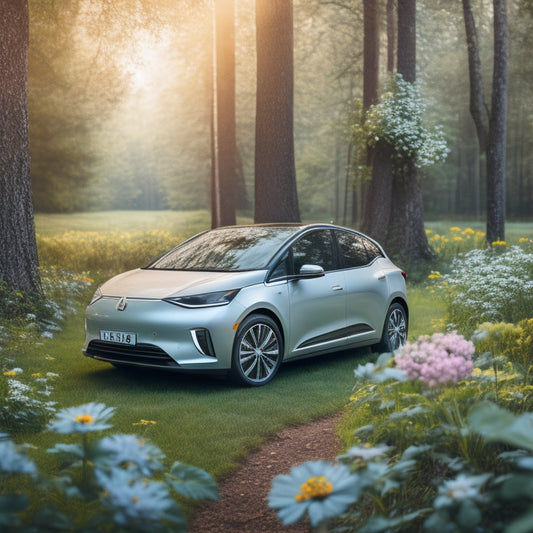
(115, 477)
(489, 285)
(399, 119)
(25, 404)
(441, 359)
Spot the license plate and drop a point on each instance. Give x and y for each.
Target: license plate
(120, 337)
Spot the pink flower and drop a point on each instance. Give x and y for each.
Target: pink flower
(441, 359)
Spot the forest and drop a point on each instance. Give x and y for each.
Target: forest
(120, 105)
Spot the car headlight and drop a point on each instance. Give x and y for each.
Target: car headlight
(96, 296)
(210, 299)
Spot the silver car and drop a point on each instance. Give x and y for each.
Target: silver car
(245, 298)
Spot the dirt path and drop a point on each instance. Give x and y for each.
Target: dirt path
(243, 506)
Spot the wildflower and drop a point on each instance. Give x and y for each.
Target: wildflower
(366, 453)
(439, 359)
(498, 243)
(130, 451)
(13, 461)
(458, 239)
(469, 231)
(143, 422)
(463, 487)
(86, 418)
(435, 275)
(523, 239)
(134, 502)
(455, 228)
(322, 490)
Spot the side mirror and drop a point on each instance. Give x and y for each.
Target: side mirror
(310, 271)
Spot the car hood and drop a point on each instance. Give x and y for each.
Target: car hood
(147, 283)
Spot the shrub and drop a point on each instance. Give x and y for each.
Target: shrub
(425, 456)
(489, 285)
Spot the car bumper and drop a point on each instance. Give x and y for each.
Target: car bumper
(166, 336)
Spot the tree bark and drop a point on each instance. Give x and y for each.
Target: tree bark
(406, 237)
(497, 142)
(224, 174)
(478, 109)
(370, 97)
(18, 249)
(276, 198)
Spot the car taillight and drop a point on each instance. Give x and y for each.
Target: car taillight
(404, 274)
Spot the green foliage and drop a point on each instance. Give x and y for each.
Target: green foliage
(399, 120)
(489, 285)
(116, 477)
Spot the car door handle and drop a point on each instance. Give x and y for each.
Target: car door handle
(381, 277)
(336, 288)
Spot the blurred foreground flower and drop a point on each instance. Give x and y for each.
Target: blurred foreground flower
(86, 418)
(322, 490)
(13, 461)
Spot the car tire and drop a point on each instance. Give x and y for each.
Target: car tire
(257, 351)
(395, 329)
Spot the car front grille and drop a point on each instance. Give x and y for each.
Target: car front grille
(140, 354)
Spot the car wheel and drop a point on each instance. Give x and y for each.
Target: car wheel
(257, 351)
(395, 329)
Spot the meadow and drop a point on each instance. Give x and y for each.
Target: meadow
(203, 421)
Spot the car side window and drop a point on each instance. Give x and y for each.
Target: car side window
(282, 269)
(356, 250)
(315, 248)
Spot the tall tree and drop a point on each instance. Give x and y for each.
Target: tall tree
(18, 249)
(276, 198)
(370, 97)
(491, 126)
(224, 145)
(406, 234)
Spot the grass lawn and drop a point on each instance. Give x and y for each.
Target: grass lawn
(200, 420)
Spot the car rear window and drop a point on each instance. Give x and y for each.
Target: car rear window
(227, 249)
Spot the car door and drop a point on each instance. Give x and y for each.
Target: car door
(366, 285)
(317, 305)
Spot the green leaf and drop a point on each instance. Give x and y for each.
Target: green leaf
(192, 482)
(500, 425)
(523, 525)
(13, 503)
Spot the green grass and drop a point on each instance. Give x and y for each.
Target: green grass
(202, 420)
(513, 230)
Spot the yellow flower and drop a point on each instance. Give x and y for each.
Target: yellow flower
(458, 239)
(84, 419)
(36, 375)
(455, 228)
(468, 231)
(434, 275)
(523, 239)
(10, 373)
(317, 487)
(145, 423)
(499, 243)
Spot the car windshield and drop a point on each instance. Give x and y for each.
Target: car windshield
(227, 249)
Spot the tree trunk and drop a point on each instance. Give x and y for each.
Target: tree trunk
(391, 35)
(276, 198)
(478, 109)
(370, 97)
(497, 142)
(406, 235)
(18, 249)
(224, 174)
